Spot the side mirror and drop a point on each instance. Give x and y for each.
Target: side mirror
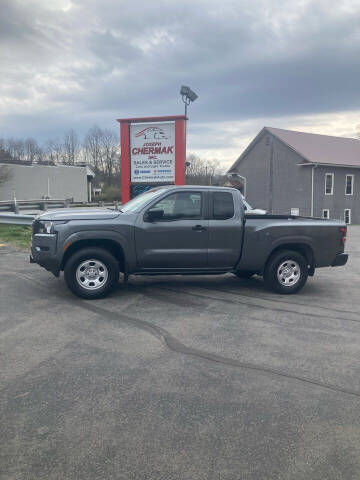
(154, 214)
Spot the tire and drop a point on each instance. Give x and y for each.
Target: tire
(286, 272)
(91, 273)
(244, 274)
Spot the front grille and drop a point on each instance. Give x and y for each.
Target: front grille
(35, 227)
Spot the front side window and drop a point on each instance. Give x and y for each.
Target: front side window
(329, 184)
(223, 205)
(140, 201)
(180, 206)
(326, 213)
(347, 216)
(349, 184)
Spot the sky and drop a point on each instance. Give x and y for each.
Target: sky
(72, 64)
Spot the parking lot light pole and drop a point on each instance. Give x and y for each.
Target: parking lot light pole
(187, 96)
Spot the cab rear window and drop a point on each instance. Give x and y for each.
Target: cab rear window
(223, 205)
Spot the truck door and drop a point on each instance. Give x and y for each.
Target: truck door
(225, 230)
(177, 240)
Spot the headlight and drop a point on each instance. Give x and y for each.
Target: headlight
(44, 226)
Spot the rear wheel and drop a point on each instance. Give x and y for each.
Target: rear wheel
(91, 273)
(286, 272)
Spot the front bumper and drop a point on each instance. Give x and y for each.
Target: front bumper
(43, 252)
(340, 260)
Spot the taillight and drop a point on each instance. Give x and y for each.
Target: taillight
(343, 230)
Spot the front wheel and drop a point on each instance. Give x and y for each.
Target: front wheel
(286, 272)
(91, 273)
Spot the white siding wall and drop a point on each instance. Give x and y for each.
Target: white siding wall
(31, 182)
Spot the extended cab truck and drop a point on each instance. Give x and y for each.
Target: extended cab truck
(183, 230)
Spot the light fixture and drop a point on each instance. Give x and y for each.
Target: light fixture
(187, 96)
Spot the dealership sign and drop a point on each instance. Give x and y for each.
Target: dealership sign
(152, 153)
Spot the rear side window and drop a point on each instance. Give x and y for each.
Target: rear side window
(223, 205)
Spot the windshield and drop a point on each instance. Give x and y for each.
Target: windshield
(140, 201)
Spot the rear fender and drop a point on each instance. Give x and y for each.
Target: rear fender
(300, 243)
(260, 246)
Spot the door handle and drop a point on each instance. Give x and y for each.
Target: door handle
(199, 228)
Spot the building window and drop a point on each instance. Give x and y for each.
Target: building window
(326, 213)
(349, 184)
(347, 216)
(329, 184)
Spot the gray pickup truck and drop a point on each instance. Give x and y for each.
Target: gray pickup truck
(183, 230)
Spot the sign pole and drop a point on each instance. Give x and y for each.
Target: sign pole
(125, 161)
(180, 151)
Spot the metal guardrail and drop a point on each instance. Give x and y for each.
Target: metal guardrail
(16, 219)
(42, 204)
(32, 202)
(45, 204)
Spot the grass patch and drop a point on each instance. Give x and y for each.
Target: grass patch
(15, 235)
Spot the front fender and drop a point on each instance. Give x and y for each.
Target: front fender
(117, 237)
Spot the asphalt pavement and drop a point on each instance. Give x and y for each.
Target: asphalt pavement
(180, 378)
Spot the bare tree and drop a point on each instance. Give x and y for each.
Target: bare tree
(200, 171)
(110, 154)
(16, 149)
(101, 150)
(27, 151)
(5, 174)
(10, 146)
(92, 147)
(71, 146)
(33, 153)
(53, 151)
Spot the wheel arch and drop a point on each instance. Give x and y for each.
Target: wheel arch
(107, 244)
(304, 249)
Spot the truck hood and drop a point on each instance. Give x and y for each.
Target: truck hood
(79, 214)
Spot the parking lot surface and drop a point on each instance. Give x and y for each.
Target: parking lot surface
(180, 377)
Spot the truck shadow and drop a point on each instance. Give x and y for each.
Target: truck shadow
(190, 284)
(228, 284)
